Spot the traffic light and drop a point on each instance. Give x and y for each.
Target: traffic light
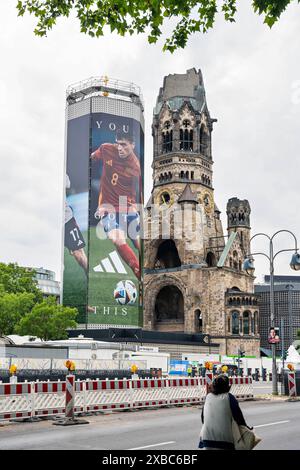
(284, 355)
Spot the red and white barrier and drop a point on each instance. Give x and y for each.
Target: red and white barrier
(49, 398)
(292, 384)
(149, 392)
(187, 390)
(28, 400)
(241, 387)
(15, 401)
(103, 395)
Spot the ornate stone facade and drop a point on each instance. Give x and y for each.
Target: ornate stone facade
(193, 279)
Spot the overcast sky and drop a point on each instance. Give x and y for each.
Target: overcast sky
(252, 80)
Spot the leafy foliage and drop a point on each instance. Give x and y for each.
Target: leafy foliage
(138, 16)
(12, 308)
(47, 320)
(17, 280)
(23, 310)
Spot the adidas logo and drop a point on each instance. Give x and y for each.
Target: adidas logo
(111, 264)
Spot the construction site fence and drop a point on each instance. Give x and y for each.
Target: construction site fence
(30, 400)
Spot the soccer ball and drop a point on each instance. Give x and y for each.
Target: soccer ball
(125, 293)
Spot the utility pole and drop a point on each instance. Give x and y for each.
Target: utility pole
(248, 266)
(282, 353)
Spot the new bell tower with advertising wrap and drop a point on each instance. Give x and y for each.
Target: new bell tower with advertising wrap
(103, 202)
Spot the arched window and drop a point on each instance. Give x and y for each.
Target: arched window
(167, 138)
(246, 326)
(198, 321)
(255, 331)
(204, 141)
(235, 260)
(211, 259)
(186, 136)
(241, 216)
(182, 174)
(169, 305)
(167, 255)
(235, 325)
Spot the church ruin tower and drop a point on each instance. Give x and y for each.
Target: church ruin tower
(182, 166)
(187, 257)
(238, 220)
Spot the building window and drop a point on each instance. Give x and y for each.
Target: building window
(235, 261)
(186, 136)
(198, 320)
(235, 325)
(211, 259)
(255, 330)
(167, 138)
(204, 141)
(252, 324)
(205, 180)
(246, 329)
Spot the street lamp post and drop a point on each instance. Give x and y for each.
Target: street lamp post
(248, 266)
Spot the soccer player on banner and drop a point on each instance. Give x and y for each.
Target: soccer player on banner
(117, 210)
(74, 240)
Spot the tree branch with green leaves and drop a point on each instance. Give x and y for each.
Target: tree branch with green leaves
(145, 16)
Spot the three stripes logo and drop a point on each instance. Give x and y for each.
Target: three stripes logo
(111, 264)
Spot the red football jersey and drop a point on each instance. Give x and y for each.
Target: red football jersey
(120, 177)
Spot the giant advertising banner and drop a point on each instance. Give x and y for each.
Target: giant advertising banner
(103, 266)
(75, 278)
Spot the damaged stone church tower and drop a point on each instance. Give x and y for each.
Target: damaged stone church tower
(193, 278)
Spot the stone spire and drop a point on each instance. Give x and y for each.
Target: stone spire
(188, 195)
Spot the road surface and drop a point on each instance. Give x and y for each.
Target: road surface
(276, 422)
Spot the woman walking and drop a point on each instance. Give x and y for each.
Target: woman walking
(219, 409)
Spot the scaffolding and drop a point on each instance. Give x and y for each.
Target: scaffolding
(104, 86)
